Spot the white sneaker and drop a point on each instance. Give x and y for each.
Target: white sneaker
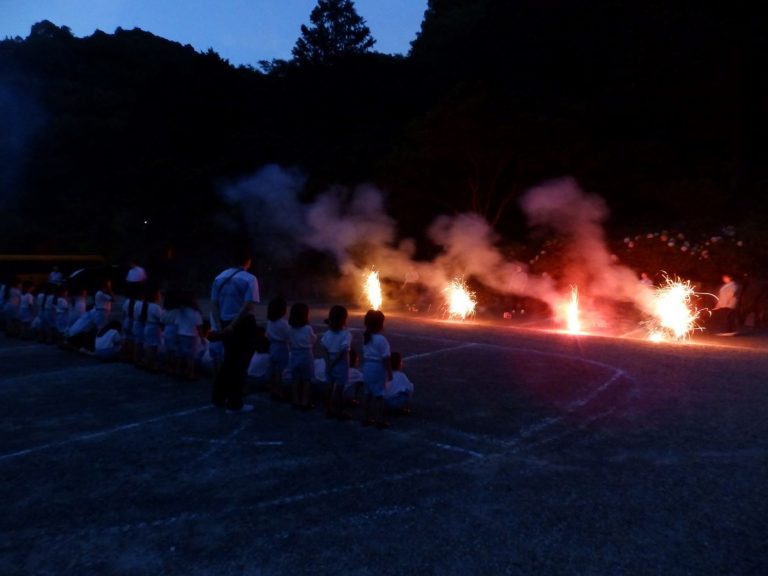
(245, 408)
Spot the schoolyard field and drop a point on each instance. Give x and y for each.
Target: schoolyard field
(528, 451)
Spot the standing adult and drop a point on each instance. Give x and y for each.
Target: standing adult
(135, 280)
(56, 277)
(233, 294)
(727, 301)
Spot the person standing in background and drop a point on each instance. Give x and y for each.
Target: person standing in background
(233, 294)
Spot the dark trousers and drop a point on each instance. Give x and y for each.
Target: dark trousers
(723, 320)
(229, 384)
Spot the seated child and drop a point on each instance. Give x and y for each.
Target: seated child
(399, 390)
(320, 380)
(260, 367)
(211, 353)
(109, 341)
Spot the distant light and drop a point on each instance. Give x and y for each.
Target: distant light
(146, 222)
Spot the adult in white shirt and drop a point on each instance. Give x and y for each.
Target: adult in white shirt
(727, 302)
(233, 293)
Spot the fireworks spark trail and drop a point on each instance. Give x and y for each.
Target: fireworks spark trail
(372, 289)
(674, 314)
(460, 302)
(573, 322)
(352, 227)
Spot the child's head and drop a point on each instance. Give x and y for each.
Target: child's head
(374, 321)
(299, 316)
(241, 256)
(396, 359)
(337, 317)
(276, 309)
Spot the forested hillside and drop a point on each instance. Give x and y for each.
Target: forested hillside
(117, 143)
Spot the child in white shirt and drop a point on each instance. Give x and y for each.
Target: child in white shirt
(108, 341)
(399, 390)
(189, 321)
(301, 339)
(335, 345)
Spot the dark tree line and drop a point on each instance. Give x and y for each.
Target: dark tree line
(115, 143)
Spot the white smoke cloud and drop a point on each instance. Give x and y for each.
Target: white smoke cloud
(578, 217)
(354, 228)
(350, 227)
(269, 202)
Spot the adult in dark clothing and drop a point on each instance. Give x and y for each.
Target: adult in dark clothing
(233, 295)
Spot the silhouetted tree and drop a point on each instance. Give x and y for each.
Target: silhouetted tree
(337, 30)
(49, 30)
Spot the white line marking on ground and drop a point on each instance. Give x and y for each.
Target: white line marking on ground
(440, 351)
(226, 440)
(541, 427)
(581, 402)
(458, 449)
(507, 348)
(100, 434)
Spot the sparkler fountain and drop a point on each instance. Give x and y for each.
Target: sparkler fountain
(372, 289)
(674, 315)
(460, 302)
(573, 322)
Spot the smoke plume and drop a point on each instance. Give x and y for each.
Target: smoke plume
(578, 217)
(354, 228)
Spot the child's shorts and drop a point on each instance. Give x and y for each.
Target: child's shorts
(374, 378)
(339, 374)
(187, 346)
(302, 365)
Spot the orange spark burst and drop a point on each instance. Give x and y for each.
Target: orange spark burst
(572, 320)
(674, 315)
(460, 302)
(372, 289)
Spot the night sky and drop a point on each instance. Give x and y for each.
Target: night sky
(242, 31)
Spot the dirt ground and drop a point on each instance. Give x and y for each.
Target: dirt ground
(528, 452)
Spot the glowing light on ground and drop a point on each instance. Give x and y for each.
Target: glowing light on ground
(572, 320)
(460, 302)
(674, 314)
(372, 289)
